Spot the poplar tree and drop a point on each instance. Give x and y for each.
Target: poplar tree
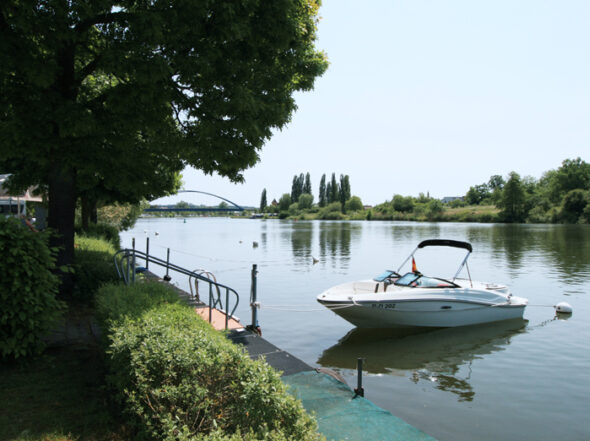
(307, 185)
(333, 190)
(344, 190)
(322, 191)
(263, 202)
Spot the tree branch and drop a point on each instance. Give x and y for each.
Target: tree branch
(106, 18)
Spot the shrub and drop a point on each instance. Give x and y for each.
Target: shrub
(101, 231)
(177, 378)
(354, 204)
(28, 289)
(305, 201)
(94, 266)
(115, 302)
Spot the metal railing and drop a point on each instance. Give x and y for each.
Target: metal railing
(125, 262)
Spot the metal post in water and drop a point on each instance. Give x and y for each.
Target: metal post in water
(253, 303)
(167, 277)
(359, 391)
(147, 252)
(133, 263)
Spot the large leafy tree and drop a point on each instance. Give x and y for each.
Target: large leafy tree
(513, 201)
(103, 95)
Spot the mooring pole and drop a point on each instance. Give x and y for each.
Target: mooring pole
(167, 277)
(147, 252)
(359, 391)
(253, 295)
(133, 264)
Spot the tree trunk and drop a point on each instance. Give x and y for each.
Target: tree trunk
(62, 207)
(86, 212)
(94, 212)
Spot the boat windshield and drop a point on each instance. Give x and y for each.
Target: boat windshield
(389, 274)
(418, 280)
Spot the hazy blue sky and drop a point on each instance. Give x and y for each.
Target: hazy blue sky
(432, 96)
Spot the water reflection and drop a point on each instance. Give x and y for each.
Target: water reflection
(441, 357)
(564, 247)
(335, 241)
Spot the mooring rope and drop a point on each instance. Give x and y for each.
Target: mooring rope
(289, 308)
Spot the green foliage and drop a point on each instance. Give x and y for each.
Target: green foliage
(344, 190)
(573, 206)
(403, 204)
(477, 194)
(354, 204)
(105, 232)
(333, 189)
(513, 200)
(434, 210)
(94, 266)
(263, 202)
(307, 185)
(573, 174)
(116, 302)
(457, 203)
(28, 289)
(305, 201)
(121, 216)
(322, 192)
(178, 379)
(284, 202)
(111, 102)
(293, 209)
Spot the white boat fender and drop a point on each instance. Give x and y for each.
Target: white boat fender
(563, 308)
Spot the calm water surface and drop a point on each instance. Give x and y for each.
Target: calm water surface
(522, 380)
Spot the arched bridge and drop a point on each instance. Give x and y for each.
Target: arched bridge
(235, 207)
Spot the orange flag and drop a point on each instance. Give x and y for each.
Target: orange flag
(414, 267)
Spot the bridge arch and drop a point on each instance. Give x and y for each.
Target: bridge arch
(236, 207)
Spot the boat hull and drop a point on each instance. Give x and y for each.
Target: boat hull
(439, 314)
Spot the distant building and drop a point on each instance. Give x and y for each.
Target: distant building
(448, 199)
(15, 204)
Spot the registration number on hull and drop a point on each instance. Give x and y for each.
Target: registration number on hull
(383, 305)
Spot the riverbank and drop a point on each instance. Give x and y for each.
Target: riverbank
(470, 213)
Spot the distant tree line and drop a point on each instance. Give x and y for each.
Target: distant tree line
(559, 196)
(334, 198)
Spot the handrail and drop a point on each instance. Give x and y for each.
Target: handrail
(126, 258)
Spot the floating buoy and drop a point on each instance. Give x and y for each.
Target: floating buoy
(254, 244)
(563, 308)
(156, 233)
(314, 260)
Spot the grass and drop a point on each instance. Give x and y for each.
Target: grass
(58, 396)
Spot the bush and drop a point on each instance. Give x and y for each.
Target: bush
(354, 204)
(177, 378)
(116, 302)
(101, 231)
(28, 289)
(94, 266)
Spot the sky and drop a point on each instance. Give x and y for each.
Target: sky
(430, 96)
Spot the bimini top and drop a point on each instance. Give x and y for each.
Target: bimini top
(445, 243)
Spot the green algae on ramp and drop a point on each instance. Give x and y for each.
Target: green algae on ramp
(342, 417)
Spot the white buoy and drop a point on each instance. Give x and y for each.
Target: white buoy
(563, 308)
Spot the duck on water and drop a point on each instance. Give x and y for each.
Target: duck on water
(393, 300)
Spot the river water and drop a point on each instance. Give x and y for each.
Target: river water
(517, 380)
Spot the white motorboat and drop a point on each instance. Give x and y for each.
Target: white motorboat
(391, 300)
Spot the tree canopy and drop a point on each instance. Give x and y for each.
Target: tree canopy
(118, 96)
